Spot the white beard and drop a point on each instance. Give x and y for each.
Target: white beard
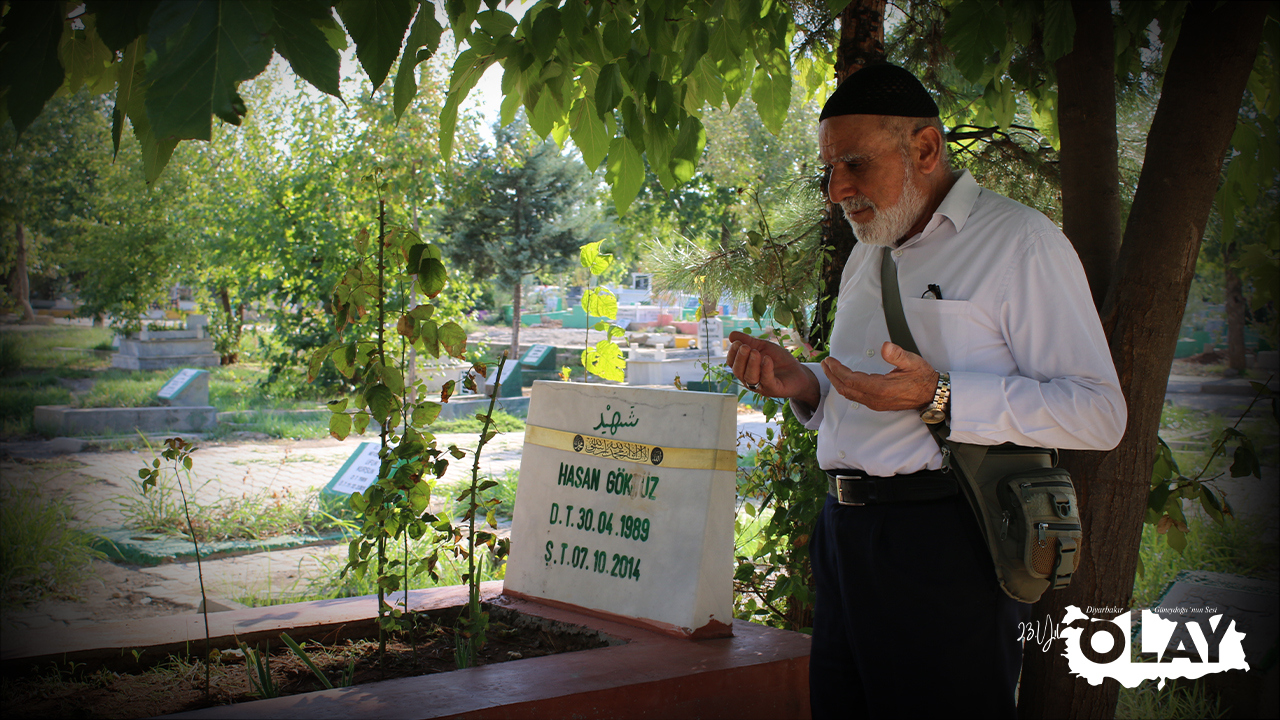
(888, 225)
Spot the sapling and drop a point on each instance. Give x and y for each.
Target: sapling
(470, 635)
(364, 304)
(178, 451)
(606, 358)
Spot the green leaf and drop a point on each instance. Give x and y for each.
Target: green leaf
(300, 41)
(377, 27)
(1245, 461)
(394, 379)
(782, 314)
(381, 401)
(29, 63)
(432, 277)
(467, 71)
(974, 31)
(426, 413)
(1209, 501)
(605, 361)
(771, 90)
(360, 421)
(127, 77)
(588, 132)
(317, 360)
(1059, 29)
(609, 89)
(122, 22)
(340, 425)
(592, 259)
(337, 406)
(546, 31)
(1176, 539)
(625, 172)
(543, 116)
(453, 338)
(426, 31)
(204, 49)
(697, 42)
(688, 150)
(496, 22)
(600, 302)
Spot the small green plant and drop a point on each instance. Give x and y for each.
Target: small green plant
(605, 360)
(297, 649)
(472, 622)
(1169, 487)
(257, 665)
(394, 508)
(178, 452)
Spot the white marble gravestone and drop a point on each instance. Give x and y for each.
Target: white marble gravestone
(357, 473)
(711, 335)
(625, 505)
(189, 388)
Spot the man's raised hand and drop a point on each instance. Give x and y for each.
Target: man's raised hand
(773, 370)
(909, 386)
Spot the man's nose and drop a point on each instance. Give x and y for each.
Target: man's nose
(840, 186)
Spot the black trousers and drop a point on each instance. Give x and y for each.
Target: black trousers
(909, 620)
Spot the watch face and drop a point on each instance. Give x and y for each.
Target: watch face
(933, 416)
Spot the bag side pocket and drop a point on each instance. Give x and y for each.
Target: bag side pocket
(1043, 521)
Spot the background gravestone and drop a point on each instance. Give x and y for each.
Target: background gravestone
(511, 381)
(189, 388)
(355, 476)
(540, 357)
(711, 335)
(625, 505)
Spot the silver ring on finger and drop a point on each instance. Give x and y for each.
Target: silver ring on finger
(752, 386)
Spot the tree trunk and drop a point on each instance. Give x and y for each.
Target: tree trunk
(1141, 317)
(861, 42)
(1088, 161)
(515, 321)
(1235, 316)
(22, 285)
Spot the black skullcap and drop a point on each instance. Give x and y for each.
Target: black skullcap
(880, 90)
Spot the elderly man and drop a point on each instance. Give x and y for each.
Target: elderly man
(909, 618)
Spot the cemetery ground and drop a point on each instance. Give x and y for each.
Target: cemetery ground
(259, 474)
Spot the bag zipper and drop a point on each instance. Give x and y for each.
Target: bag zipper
(1043, 527)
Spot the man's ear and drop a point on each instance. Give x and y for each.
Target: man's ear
(927, 149)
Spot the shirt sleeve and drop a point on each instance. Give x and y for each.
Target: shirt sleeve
(1066, 393)
(811, 418)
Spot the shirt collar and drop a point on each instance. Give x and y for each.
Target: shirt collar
(956, 206)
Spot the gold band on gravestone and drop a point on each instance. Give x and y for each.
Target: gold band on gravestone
(665, 457)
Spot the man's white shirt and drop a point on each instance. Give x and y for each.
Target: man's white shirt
(1016, 328)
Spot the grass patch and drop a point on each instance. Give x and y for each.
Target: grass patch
(1175, 701)
(40, 555)
(42, 347)
(125, 388)
(1234, 547)
(502, 422)
(262, 515)
(19, 396)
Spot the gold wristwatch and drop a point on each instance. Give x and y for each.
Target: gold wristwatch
(937, 410)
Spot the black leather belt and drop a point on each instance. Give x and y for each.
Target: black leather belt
(850, 487)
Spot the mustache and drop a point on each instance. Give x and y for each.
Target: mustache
(855, 204)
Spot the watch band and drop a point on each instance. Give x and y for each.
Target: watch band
(937, 410)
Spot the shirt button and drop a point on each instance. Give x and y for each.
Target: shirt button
(897, 253)
(841, 454)
(871, 353)
(855, 406)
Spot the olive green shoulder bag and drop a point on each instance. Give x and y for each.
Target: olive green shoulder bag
(1025, 506)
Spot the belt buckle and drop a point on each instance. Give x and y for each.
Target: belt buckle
(840, 490)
